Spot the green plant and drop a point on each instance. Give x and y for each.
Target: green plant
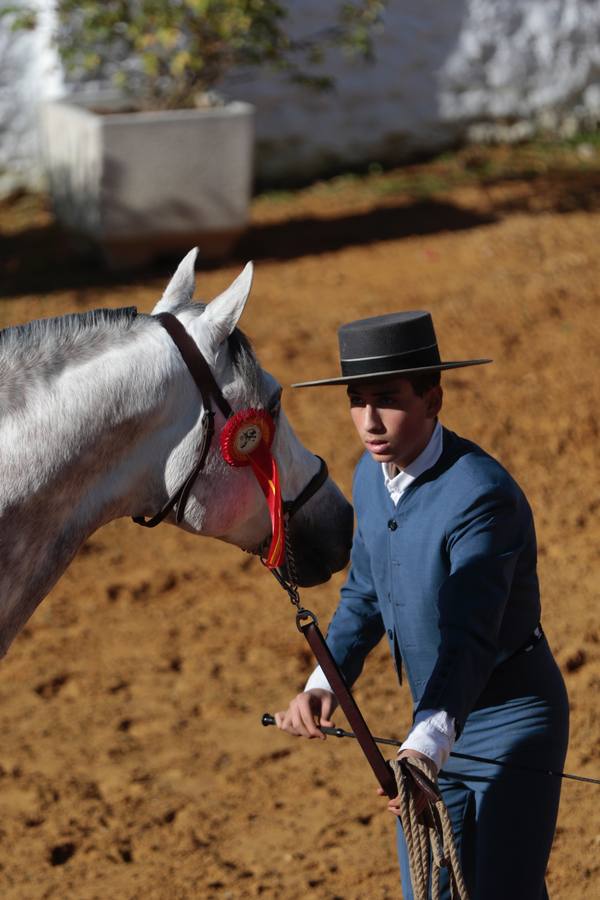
(18, 17)
(169, 53)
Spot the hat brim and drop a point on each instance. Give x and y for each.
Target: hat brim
(375, 376)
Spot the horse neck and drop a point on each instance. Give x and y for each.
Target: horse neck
(83, 449)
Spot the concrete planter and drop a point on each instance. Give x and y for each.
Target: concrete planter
(142, 184)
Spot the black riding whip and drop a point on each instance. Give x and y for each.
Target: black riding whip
(268, 719)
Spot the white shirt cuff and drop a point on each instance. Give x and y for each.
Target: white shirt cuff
(318, 680)
(433, 734)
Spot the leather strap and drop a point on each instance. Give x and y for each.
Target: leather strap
(194, 360)
(209, 389)
(381, 769)
(179, 498)
(317, 481)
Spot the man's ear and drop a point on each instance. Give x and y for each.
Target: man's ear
(433, 403)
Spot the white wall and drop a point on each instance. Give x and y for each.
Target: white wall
(29, 72)
(446, 70)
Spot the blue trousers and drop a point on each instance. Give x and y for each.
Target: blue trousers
(504, 819)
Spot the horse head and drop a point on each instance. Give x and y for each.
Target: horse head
(225, 502)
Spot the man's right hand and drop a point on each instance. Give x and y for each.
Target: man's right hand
(306, 712)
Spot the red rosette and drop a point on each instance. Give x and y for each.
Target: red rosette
(246, 441)
(244, 433)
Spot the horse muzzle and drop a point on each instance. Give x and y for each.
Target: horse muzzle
(320, 538)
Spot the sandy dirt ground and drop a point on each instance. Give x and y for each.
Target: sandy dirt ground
(132, 759)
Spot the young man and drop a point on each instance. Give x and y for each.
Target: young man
(444, 565)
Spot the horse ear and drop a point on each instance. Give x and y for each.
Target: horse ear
(180, 288)
(223, 313)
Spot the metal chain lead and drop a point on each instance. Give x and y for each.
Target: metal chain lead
(292, 586)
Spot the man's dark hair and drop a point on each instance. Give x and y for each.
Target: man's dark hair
(423, 381)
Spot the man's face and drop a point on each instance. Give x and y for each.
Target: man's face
(393, 423)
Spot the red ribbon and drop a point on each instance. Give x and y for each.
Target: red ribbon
(246, 441)
(265, 468)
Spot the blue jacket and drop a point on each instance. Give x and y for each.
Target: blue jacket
(449, 574)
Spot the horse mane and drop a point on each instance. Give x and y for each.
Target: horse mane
(45, 344)
(71, 326)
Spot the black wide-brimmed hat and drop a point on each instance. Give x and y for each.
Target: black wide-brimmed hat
(395, 344)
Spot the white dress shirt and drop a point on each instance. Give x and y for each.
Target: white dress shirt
(433, 732)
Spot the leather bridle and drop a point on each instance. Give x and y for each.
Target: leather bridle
(210, 391)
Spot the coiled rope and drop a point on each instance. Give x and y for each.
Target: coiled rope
(429, 838)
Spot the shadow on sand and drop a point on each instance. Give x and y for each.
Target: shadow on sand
(43, 259)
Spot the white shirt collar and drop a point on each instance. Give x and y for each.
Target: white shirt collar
(398, 482)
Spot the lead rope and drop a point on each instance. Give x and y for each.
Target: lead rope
(429, 837)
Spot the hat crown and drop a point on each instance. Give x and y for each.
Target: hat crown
(397, 344)
(385, 336)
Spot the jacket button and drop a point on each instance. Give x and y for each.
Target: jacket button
(392, 524)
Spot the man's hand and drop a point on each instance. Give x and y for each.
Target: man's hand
(306, 711)
(420, 798)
